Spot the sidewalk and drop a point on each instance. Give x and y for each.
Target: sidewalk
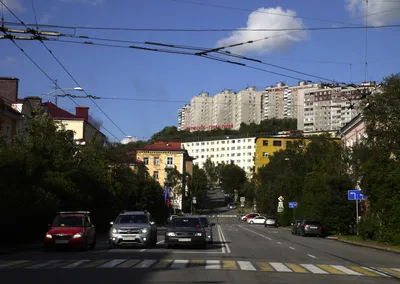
(360, 244)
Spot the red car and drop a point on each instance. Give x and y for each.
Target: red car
(250, 216)
(71, 229)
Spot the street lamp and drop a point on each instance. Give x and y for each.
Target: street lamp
(79, 89)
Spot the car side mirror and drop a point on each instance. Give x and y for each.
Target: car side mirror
(152, 223)
(212, 224)
(291, 224)
(111, 223)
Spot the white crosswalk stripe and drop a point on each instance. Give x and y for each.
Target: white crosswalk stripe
(375, 271)
(280, 267)
(145, 263)
(179, 263)
(77, 263)
(246, 265)
(44, 264)
(396, 269)
(346, 270)
(213, 264)
(9, 264)
(112, 263)
(314, 269)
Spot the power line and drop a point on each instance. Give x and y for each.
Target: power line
(207, 30)
(65, 69)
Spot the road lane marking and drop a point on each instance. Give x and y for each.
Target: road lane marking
(160, 242)
(279, 243)
(346, 270)
(197, 263)
(112, 263)
(142, 250)
(229, 265)
(310, 255)
(296, 268)
(77, 263)
(226, 245)
(314, 269)
(128, 264)
(255, 233)
(292, 248)
(246, 265)
(179, 264)
(220, 239)
(391, 271)
(376, 270)
(60, 264)
(330, 269)
(364, 271)
(264, 266)
(9, 264)
(145, 263)
(94, 263)
(213, 264)
(280, 267)
(163, 263)
(43, 264)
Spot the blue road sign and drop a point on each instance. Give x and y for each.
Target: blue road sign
(293, 204)
(355, 194)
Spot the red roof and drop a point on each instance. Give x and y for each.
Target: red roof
(163, 146)
(58, 113)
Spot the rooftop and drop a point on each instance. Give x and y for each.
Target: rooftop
(163, 146)
(58, 113)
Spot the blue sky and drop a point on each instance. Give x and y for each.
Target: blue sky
(129, 73)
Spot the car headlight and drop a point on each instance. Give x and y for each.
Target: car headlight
(114, 231)
(77, 236)
(144, 231)
(48, 236)
(198, 234)
(171, 234)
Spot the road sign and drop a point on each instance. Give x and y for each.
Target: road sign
(242, 199)
(242, 204)
(280, 209)
(194, 201)
(194, 197)
(355, 194)
(281, 198)
(235, 191)
(292, 204)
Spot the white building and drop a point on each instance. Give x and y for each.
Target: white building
(183, 117)
(239, 151)
(247, 107)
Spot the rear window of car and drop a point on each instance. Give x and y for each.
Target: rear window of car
(185, 222)
(312, 223)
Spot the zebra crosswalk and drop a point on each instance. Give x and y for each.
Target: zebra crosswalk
(212, 264)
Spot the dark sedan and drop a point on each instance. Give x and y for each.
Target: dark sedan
(185, 231)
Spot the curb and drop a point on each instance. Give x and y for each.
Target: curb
(364, 245)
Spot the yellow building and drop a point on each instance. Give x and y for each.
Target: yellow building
(161, 158)
(267, 146)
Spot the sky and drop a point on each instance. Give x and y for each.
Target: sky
(143, 90)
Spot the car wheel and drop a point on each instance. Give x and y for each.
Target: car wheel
(251, 222)
(111, 245)
(149, 244)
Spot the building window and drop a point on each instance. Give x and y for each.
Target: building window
(249, 147)
(239, 147)
(277, 143)
(248, 153)
(265, 155)
(232, 148)
(265, 142)
(146, 160)
(156, 161)
(170, 160)
(233, 154)
(155, 175)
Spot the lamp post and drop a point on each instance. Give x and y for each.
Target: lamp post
(79, 89)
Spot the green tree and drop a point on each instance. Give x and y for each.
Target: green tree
(211, 171)
(232, 177)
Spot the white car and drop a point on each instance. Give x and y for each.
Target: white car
(257, 220)
(270, 222)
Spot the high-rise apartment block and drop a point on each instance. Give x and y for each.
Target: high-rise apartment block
(315, 106)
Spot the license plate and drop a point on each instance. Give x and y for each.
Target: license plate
(131, 238)
(185, 240)
(61, 241)
(314, 227)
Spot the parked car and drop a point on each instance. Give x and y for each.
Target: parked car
(132, 228)
(232, 206)
(249, 216)
(271, 221)
(72, 229)
(208, 228)
(295, 226)
(309, 227)
(256, 220)
(185, 231)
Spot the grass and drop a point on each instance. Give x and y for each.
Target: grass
(359, 240)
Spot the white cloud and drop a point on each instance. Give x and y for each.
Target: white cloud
(380, 12)
(46, 17)
(14, 5)
(260, 19)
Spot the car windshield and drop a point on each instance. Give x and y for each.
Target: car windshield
(129, 219)
(68, 221)
(204, 221)
(185, 222)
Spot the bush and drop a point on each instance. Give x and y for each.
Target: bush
(368, 228)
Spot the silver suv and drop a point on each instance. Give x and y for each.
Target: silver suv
(133, 227)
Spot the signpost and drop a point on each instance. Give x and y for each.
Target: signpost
(194, 201)
(293, 206)
(280, 204)
(242, 200)
(356, 194)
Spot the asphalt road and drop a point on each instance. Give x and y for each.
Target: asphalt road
(241, 253)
